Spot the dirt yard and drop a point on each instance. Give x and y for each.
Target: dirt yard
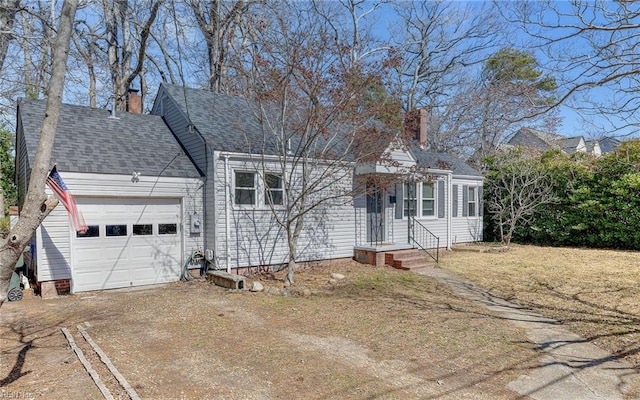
(379, 333)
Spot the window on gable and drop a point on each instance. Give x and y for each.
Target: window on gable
(428, 199)
(472, 201)
(245, 193)
(273, 191)
(410, 199)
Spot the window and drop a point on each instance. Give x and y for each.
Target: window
(428, 199)
(167, 229)
(116, 230)
(472, 201)
(92, 231)
(420, 199)
(273, 189)
(245, 188)
(142, 230)
(410, 199)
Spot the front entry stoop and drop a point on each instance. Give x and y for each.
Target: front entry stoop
(408, 260)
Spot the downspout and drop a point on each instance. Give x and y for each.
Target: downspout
(227, 212)
(449, 208)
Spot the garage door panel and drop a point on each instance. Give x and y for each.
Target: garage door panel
(122, 261)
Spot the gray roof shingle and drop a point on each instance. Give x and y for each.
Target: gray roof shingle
(90, 140)
(442, 161)
(230, 123)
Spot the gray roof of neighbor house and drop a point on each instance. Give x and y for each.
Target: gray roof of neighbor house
(528, 137)
(532, 138)
(230, 123)
(446, 161)
(608, 144)
(90, 140)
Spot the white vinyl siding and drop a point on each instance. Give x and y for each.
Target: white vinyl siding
(54, 236)
(254, 236)
(466, 228)
(188, 137)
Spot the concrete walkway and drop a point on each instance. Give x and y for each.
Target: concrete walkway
(571, 368)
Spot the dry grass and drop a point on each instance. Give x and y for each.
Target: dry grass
(379, 333)
(594, 292)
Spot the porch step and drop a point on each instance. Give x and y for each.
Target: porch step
(408, 260)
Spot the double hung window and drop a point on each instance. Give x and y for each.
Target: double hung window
(245, 184)
(273, 190)
(419, 199)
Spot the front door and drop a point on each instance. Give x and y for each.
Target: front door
(375, 217)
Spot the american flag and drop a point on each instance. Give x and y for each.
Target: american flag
(63, 194)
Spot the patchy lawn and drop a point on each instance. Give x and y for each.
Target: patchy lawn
(379, 333)
(596, 293)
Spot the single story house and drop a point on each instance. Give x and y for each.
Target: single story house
(543, 141)
(191, 177)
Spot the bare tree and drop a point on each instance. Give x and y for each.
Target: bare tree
(592, 48)
(85, 40)
(127, 39)
(8, 10)
(442, 46)
(36, 205)
(314, 120)
(437, 41)
(219, 22)
(517, 185)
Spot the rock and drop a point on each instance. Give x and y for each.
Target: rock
(256, 287)
(332, 281)
(306, 292)
(337, 276)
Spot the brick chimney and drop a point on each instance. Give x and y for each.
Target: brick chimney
(134, 102)
(415, 126)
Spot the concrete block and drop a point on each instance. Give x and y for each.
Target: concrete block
(227, 280)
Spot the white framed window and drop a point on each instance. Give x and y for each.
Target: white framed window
(472, 201)
(428, 199)
(420, 199)
(273, 190)
(245, 188)
(410, 197)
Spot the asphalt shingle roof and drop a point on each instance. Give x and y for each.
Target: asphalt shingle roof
(446, 161)
(90, 140)
(228, 123)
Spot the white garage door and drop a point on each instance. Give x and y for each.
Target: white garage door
(130, 242)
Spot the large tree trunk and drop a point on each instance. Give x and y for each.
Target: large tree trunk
(36, 205)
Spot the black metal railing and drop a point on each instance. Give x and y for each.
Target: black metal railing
(423, 238)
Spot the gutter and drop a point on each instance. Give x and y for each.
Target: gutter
(227, 211)
(450, 210)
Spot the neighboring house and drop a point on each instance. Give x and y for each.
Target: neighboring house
(196, 157)
(608, 144)
(532, 138)
(137, 189)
